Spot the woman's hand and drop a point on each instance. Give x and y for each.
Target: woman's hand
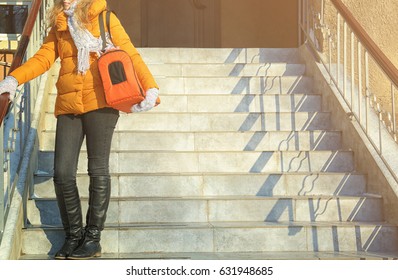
(148, 103)
(9, 84)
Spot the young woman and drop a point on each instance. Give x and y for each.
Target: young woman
(81, 112)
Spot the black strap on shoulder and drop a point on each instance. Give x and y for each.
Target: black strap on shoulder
(108, 22)
(102, 30)
(102, 27)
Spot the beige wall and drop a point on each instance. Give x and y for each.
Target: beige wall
(259, 23)
(221, 23)
(380, 20)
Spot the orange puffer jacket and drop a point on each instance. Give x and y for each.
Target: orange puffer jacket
(78, 94)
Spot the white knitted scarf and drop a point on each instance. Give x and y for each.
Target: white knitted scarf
(84, 41)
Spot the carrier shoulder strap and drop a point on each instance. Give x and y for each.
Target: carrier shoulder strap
(102, 27)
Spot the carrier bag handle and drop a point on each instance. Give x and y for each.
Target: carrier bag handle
(102, 27)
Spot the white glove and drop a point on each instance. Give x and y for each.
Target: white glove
(9, 84)
(148, 103)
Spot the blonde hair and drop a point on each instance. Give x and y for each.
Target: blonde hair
(81, 12)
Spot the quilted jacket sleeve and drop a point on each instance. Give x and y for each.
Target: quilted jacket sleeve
(122, 40)
(42, 60)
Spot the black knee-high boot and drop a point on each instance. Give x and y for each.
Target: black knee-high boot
(99, 192)
(71, 215)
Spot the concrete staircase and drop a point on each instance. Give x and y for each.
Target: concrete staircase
(238, 162)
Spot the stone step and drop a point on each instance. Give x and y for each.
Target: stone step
(199, 184)
(219, 55)
(227, 70)
(213, 162)
(232, 103)
(235, 85)
(217, 121)
(228, 237)
(222, 209)
(201, 69)
(232, 85)
(215, 141)
(239, 256)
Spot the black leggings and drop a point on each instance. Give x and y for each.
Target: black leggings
(97, 127)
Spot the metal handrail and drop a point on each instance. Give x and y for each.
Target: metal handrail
(378, 55)
(15, 123)
(353, 80)
(20, 54)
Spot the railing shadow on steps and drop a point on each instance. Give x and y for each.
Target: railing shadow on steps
(16, 120)
(364, 243)
(285, 208)
(360, 100)
(365, 81)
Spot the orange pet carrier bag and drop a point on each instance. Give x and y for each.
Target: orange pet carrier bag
(121, 84)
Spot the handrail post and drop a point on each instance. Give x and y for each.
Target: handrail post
(352, 70)
(367, 91)
(379, 112)
(338, 58)
(330, 55)
(345, 60)
(307, 14)
(393, 112)
(359, 82)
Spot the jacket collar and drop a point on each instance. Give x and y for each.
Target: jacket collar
(95, 9)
